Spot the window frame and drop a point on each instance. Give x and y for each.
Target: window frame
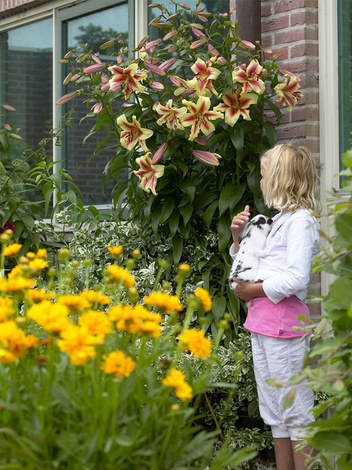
(63, 10)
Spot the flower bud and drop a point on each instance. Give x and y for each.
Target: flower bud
(64, 254)
(136, 254)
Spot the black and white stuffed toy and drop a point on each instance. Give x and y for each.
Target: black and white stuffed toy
(252, 247)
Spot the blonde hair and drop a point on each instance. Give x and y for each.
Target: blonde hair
(290, 178)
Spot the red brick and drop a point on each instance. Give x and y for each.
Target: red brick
(298, 17)
(267, 40)
(291, 131)
(275, 22)
(266, 9)
(312, 97)
(288, 5)
(312, 16)
(312, 130)
(298, 50)
(299, 113)
(313, 145)
(311, 33)
(296, 66)
(280, 52)
(291, 35)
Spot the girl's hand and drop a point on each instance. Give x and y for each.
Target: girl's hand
(248, 290)
(238, 223)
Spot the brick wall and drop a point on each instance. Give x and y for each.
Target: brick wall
(290, 30)
(7, 6)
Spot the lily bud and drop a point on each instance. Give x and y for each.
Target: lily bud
(184, 5)
(248, 44)
(108, 44)
(198, 43)
(167, 64)
(153, 68)
(170, 35)
(157, 86)
(208, 158)
(159, 153)
(95, 68)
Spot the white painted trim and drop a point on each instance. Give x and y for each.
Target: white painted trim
(141, 20)
(328, 110)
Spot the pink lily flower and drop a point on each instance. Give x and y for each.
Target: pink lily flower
(204, 75)
(199, 117)
(133, 133)
(236, 105)
(148, 173)
(208, 158)
(250, 77)
(288, 91)
(126, 79)
(170, 115)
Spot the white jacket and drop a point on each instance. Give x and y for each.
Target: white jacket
(291, 244)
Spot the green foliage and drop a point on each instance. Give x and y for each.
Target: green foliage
(331, 374)
(27, 185)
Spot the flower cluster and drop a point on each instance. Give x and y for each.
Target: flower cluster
(92, 325)
(192, 93)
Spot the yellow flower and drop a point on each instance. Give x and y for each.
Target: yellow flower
(52, 317)
(177, 380)
(74, 302)
(30, 255)
(97, 323)
(118, 364)
(6, 309)
(17, 271)
(41, 253)
(12, 250)
(6, 356)
(16, 285)
(118, 274)
(38, 264)
(165, 302)
(95, 297)
(137, 320)
(115, 250)
(38, 295)
(78, 343)
(205, 299)
(30, 341)
(11, 340)
(196, 342)
(184, 269)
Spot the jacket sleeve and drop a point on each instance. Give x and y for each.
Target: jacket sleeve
(302, 238)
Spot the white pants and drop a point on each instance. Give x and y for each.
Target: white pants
(280, 359)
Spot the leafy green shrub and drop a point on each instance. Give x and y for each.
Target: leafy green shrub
(331, 374)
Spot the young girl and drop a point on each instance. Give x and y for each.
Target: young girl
(288, 184)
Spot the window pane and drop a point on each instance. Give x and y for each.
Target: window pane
(94, 29)
(345, 74)
(26, 80)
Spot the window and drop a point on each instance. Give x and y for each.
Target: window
(78, 26)
(31, 78)
(345, 73)
(26, 58)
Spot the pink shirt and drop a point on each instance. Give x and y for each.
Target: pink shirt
(276, 320)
